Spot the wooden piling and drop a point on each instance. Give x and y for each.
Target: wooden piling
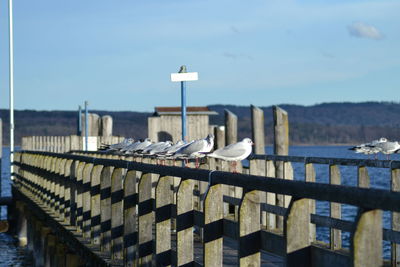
(230, 127)
(281, 147)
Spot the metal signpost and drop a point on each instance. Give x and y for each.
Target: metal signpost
(183, 76)
(11, 51)
(86, 126)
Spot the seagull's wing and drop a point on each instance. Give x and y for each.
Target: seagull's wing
(231, 151)
(192, 147)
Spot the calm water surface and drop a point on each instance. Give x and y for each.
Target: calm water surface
(12, 255)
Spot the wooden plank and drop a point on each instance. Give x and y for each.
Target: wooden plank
(271, 197)
(249, 230)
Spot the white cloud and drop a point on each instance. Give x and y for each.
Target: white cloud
(362, 30)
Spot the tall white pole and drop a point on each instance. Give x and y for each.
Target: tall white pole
(11, 47)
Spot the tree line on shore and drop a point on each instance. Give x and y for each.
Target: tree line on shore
(322, 124)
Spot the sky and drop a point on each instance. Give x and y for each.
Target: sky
(119, 55)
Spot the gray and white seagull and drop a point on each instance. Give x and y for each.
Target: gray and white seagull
(195, 149)
(234, 152)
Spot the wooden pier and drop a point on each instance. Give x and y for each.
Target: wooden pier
(107, 210)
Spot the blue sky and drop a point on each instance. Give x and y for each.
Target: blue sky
(119, 54)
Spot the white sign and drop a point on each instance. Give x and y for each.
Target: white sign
(92, 143)
(182, 77)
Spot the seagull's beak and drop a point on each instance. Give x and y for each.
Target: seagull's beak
(252, 143)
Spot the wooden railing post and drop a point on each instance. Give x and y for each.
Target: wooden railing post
(366, 241)
(363, 179)
(117, 213)
(185, 223)
(249, 230)
(86, 200)
(95, 210)
(310, 177)
(105, 206)
(297, 233)
(271, 197)
(335, 209)
(146, 219)
(281, 147)
(395, 186)
(164, 197)
(130, 217)
(66, 207)
(79, 196)
(213, 226)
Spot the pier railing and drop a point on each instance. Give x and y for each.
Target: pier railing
(140, 213)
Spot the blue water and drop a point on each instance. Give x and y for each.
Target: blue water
(380, 178)
(10, 253)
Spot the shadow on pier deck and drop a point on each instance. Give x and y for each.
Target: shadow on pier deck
(98, 209)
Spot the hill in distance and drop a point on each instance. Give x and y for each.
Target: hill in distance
(321, 124)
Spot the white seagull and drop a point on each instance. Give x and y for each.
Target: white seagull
(196, 149)
(234, 152)
(114, 147)
(369, 148)
(388, 147)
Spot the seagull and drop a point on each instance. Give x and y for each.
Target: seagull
(388, 148)
(369, 148)
(156, 147)
(234, 152)
(196, 149)
(168, 151)
(140, 146)
(114, 147)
